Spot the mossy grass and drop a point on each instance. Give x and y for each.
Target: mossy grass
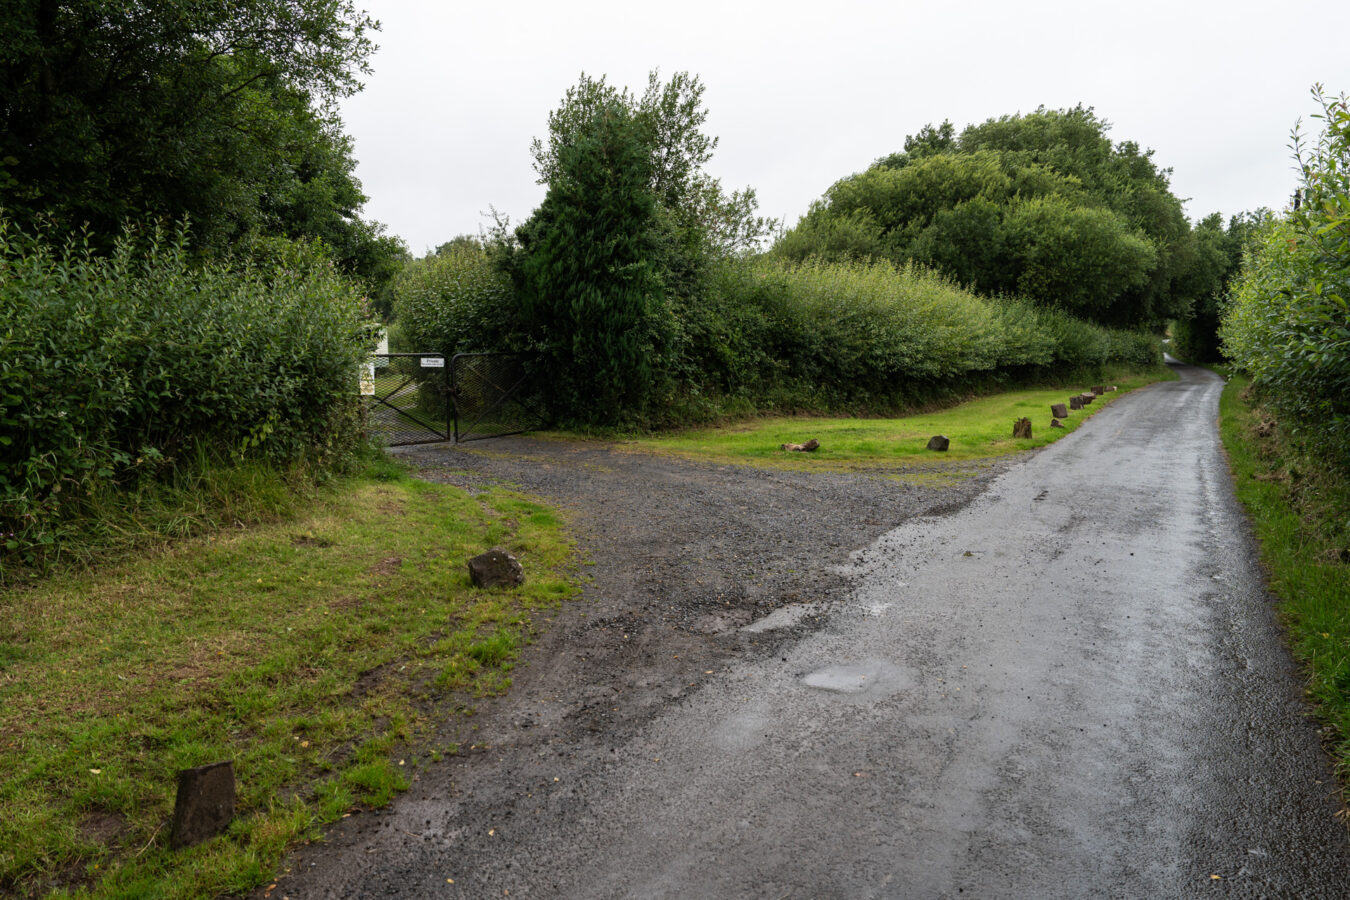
(1300, 510)
(977, 429)
(317, 652)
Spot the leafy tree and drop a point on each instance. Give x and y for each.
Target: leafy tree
(669, 117)
(592, 298)
(218, 111)
(971, 206)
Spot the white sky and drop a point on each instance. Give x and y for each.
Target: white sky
(802, 94)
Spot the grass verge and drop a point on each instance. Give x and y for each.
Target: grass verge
(1300, 510)
(977, 429)
(316, 653)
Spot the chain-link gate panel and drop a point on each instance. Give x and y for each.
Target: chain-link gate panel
(407, 398)
(493, 396)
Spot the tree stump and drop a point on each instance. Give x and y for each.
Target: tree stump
(1098, 390)
(1058, 411)
(1088, 397)
(1022, 428)
(809, 447)
(1075, 403)
(938, 442)
(1056, 423)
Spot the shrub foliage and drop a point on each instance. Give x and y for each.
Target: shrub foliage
(121, 367)
(1288, 321)
(820, 334)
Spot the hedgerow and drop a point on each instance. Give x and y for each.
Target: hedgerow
(1288, 319)
(121, 368)
(836, 334)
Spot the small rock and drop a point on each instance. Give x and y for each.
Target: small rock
(1022, 428)
(938, 442)
(204, 805)
(1058, 411)
(808, 447)
(1056, 423)
(495, 568)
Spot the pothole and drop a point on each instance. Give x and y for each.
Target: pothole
(875, 676)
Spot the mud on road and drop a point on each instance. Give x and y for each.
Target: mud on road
(682, 557)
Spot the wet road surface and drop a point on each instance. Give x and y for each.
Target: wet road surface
(1072, 687)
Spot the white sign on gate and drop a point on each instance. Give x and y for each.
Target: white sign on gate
(433, 362)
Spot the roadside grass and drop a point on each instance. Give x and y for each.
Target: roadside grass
(309, 651)
(1300, 510)
(977, 429)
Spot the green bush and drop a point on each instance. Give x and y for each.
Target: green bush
(119, 368)
(453, 302)
(832, 334)
(1288, 319)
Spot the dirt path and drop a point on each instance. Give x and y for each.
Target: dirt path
(1070, 687)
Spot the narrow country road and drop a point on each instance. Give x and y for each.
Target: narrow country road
(1072, 686)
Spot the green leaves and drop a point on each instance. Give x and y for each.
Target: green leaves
(1041, 205)
(217, 110)
(1287, 322)
(118, 368)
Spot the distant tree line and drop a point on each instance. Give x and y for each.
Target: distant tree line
(1041, 205)
(641, 286)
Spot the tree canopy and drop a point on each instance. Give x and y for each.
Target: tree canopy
(218, 111)
(1043, 205)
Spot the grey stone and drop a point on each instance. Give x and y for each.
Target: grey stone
(205, 804)
(495, 568)
(938, 442)
(1059, 411)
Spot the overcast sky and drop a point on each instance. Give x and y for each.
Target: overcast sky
(802, 94)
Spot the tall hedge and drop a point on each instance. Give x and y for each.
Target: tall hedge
(835, 334)
(117, 368)
(1288, 321)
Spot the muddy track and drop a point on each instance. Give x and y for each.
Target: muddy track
(681, 557)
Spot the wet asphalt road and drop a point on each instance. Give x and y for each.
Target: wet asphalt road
(1072, 687)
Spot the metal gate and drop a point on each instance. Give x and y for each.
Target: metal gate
(493, 396)
(407, 398)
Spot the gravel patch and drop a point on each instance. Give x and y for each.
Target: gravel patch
(683, 556)
(691, 567)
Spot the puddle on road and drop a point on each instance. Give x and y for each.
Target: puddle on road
(784, 617)
(876, 677)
